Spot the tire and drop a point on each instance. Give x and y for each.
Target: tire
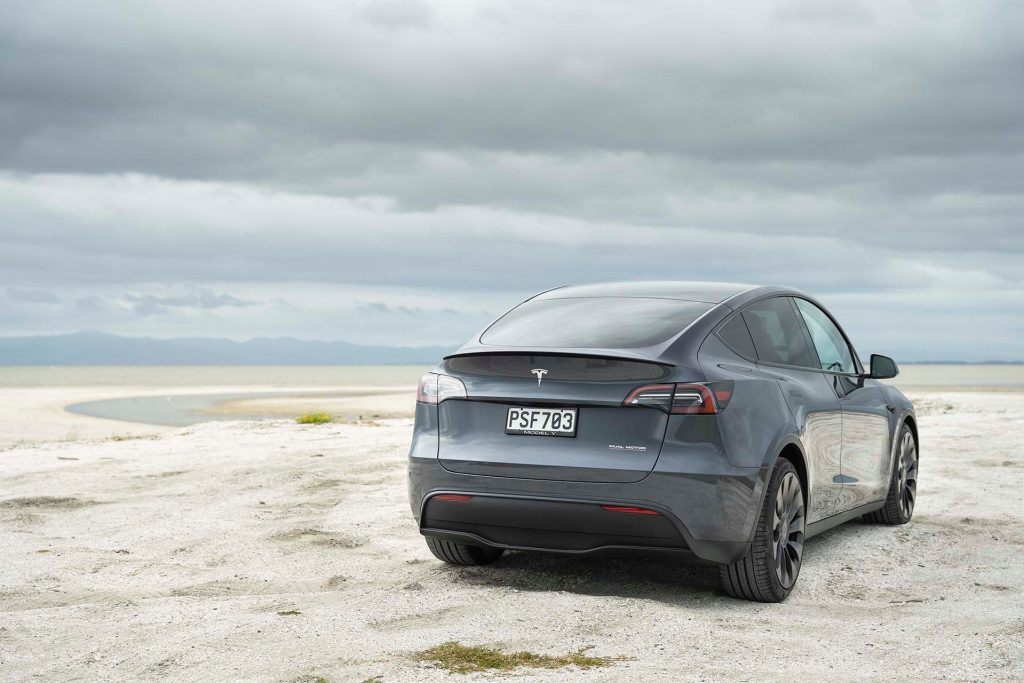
(769, 570)
(902, 494)
(462, 554)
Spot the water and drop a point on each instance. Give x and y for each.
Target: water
(282, 376)
(963, 377)
(991, 377)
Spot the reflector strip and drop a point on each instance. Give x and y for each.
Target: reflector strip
(454, 497)
(629, 510)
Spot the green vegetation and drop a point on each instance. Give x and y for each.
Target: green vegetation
(313, 419)
(463, 659)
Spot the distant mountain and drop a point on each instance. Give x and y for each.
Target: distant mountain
(95, 348)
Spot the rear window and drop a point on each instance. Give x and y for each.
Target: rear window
(571, 368)
(598, 323)
(736, 336)
(777, 333)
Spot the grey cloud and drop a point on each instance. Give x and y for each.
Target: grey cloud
(695, 82)
(90, 304)
(386, 309)
(382, 308)
(396, 14)
(32, 295)
(150, 304)
(865, 151)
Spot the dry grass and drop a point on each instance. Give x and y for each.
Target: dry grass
(463, 659)
(46, 502)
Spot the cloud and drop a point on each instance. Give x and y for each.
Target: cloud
(32, 295)
(395, 168)
(396, 14)
(149, 304)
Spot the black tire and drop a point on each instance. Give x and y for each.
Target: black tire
(463, 554)
(769, 570)
(902, 495)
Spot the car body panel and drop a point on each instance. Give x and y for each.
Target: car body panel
(867, 436)
(819, 419)
(612, 443)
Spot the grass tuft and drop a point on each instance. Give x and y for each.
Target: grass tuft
(464, 659)
(51, 502)
(313, 419)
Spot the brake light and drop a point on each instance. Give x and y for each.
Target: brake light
(693, 399)
(653, 395)
(435, 388)
(629, 510)
(683, 399)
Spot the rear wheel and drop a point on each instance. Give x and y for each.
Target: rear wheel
(899, 502)
(768, 572)
(462, 553)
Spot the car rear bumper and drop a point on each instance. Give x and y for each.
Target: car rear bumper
(710, 515)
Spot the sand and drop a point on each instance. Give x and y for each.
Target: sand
(278, 552)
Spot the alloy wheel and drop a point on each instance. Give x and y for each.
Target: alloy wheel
(907, 484)
(788, 530)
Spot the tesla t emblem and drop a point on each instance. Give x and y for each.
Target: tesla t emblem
(540, 372)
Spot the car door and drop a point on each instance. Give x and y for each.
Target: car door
(865, 451)
(784, 352)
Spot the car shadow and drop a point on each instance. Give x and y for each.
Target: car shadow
(635, 576)
(672, 581)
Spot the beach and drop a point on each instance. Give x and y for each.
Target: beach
(261, 549)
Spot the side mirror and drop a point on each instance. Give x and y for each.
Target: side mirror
(883, 367)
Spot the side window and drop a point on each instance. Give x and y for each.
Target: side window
(777, 333)
(735, 335)
(833, 351)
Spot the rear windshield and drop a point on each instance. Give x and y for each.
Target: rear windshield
(570, 368)
(598, 323)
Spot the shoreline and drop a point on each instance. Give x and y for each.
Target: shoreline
(183, 410)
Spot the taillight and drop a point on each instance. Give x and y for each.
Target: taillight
(652, 395)
(693, 399)
(683, 399)
(434, 388)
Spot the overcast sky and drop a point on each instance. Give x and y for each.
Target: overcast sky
(401, 171)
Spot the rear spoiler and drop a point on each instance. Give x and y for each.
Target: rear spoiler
(639, 355)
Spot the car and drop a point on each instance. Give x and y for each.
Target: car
(724, 422)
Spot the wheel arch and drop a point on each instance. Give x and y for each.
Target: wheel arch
(791, 451)
(911, 422)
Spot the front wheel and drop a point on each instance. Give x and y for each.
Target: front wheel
(899, 502)
(768, 572)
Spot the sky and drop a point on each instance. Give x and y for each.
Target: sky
(402, 171)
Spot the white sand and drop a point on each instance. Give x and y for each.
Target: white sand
(182, 556)
(31, 415)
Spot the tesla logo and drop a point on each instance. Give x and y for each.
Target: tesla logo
(540, 372)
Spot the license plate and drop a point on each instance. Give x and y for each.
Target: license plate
(541, 421)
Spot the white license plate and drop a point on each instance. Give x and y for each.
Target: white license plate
(541, 421)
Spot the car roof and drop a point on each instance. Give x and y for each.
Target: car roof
(707, 292)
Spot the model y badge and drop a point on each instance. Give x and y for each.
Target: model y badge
(540, 372)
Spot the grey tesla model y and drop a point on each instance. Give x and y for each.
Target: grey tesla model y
(723, 421)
